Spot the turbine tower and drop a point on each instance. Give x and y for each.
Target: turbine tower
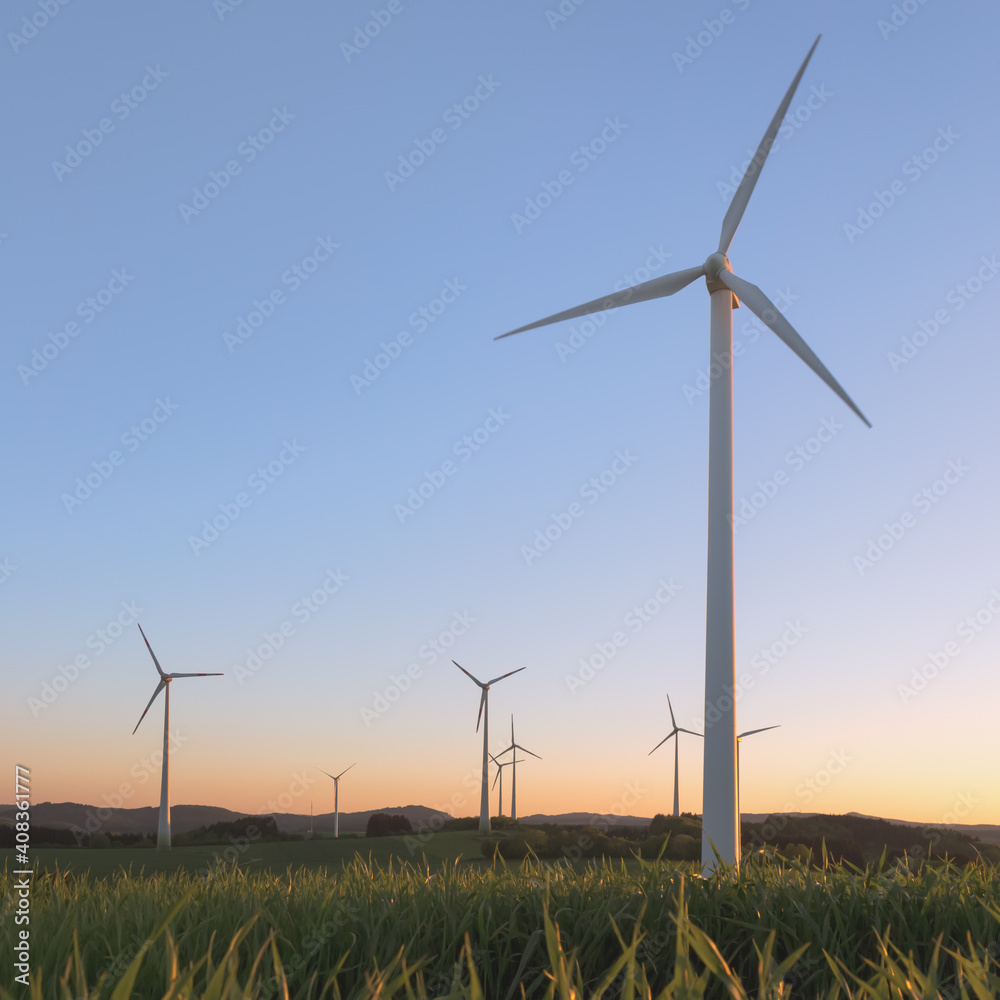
(739, 740)
(677, 729)
(484, 717)
(720, 824)
(336, 797)
(163, 827)
(513, 748)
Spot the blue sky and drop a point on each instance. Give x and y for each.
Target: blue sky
(251, 153)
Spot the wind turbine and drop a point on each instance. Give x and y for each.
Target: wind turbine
(739, 740)
(500, 766)
(514, 747)
(484, 703)
(677, 729)
(163, 827)
(336, 797)
(720, 829)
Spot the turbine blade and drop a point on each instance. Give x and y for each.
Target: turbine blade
(172, 676)
(346, 769)
(655, 288)
(156, 662)
(502, 676)
(673, 721)
(512, 729)
(327, 773)
(495, 780)
(482, 701)
(766, 311)
(467, 674)
(159, 688)
(739, 203)
(691, 731)
(752, 731)
(664, 740)
(526, 750)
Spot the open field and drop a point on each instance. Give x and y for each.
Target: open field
(269, 857)
(484, 930)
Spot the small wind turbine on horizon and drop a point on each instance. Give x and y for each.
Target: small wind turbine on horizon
(513, 748)
(739, 740)
(720, 826)
(677, 729)
(336, 797)
(163, 826)
(484, 716)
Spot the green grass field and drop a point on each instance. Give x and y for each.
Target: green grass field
(301, 919)
(268, 857)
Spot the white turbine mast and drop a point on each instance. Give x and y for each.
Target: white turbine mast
(484, 717)
(163, 826)
(720, 825)
(673, 733)
(336, 797)
(513, 748)
(499, 777)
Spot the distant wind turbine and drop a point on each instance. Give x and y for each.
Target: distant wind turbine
(739, 740)
(677, 729)
(499, 777)
(336, 797)
(720, 828)
(484, 717)
(513, 748)
(163, 827)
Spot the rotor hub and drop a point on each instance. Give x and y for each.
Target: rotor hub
(714, 264)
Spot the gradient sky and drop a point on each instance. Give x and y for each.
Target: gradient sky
(204, 86)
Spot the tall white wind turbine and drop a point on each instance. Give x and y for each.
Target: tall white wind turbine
(720, 830)
(163, 827)
(336, 797)
(513, 748)
(484, 717)
(739, 740)
(677, 729)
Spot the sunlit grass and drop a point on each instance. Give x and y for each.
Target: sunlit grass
(606, 929)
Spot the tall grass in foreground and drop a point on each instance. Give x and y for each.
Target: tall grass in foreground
(604, 931)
